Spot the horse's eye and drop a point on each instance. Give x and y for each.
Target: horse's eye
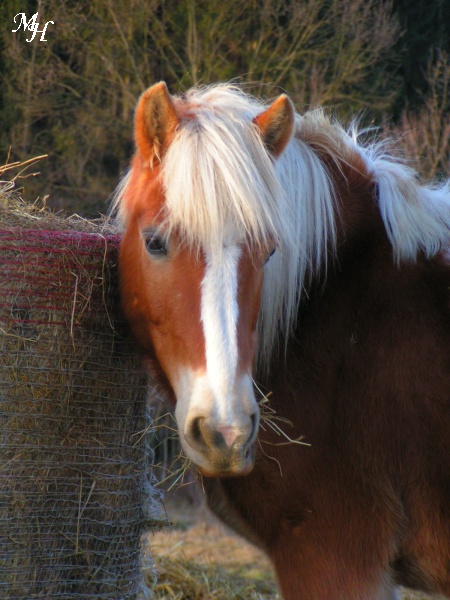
(155, 245)
(268, 257)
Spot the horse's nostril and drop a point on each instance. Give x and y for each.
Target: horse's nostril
(255, 425)
(195, 433)
(199, 435)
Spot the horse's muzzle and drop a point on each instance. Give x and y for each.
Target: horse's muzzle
(221, 450)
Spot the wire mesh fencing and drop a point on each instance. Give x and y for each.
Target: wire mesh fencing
(76, 487)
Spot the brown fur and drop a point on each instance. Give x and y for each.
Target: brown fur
(155, 123)
(165, 316)
(154, 312)
(365, 380)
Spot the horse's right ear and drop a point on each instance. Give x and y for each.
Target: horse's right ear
(155, 123)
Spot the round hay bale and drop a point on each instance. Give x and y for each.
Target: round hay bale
(75, 468)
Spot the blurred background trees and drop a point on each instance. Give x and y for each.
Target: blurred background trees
(73, 96)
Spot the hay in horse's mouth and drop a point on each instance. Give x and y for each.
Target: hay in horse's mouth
(270, 418)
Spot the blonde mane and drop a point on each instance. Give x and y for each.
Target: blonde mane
(221, 185)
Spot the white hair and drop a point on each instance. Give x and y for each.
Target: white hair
(220, 181)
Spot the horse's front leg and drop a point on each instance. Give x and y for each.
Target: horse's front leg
(313, 568)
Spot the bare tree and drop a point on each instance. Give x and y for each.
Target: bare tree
(336, 52)
(73, 97)
(425, 135)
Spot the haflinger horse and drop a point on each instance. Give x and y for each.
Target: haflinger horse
(290, 287)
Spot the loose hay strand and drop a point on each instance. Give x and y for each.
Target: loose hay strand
(269, 418)
(23, 165)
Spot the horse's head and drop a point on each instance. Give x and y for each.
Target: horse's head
(192, 261)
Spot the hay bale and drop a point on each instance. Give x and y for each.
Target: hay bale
(75, 489)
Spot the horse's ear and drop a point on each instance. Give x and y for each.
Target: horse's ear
(276, 124)
(155, 122)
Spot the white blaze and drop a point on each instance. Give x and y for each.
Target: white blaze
(218, 394)
(219, 315)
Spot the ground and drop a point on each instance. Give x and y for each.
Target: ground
(198, 559)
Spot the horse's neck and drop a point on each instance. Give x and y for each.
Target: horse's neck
(368, 305)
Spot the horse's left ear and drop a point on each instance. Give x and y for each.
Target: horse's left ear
(276, 124)
(155, 122)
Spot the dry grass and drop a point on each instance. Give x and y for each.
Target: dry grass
(198, 559)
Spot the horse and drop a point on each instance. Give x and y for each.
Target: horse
(288, 285)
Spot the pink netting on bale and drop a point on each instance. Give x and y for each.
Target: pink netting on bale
(75, 483)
